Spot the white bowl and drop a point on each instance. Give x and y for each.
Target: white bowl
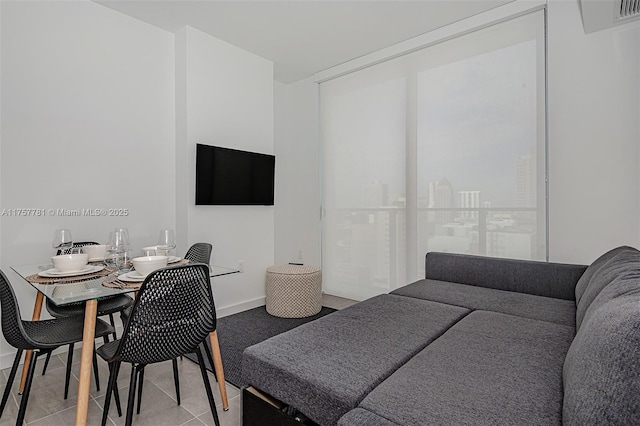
(155, 251)
(146, 264)
(149, 251)
(95, 251)
(70, 262)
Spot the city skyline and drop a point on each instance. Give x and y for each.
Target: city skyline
(441, 193)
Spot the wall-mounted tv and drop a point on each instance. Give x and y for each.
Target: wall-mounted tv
(226, 176)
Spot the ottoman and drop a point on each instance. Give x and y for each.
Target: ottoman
(293, 291)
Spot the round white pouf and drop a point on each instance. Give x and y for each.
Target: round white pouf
(294, 291)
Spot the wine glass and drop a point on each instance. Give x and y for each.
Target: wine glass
(110, 257)
(123, 261)
(62, 241)
(123, 235)
(166, 241)
(117, 243)
(118, 253)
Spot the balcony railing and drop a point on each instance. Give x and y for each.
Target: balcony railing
(371, 244)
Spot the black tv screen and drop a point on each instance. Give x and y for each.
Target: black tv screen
(226, 176)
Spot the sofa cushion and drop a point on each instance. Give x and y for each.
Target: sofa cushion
(557, 280)
(626, 261)
(325, 368)
(602, 368)
(361, 417)
(558, 311)
(584, 280)
(488, 369)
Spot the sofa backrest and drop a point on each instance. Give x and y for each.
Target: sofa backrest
(601, 375)
(602, 272)
(547, 279)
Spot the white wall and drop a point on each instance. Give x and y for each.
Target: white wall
(594, 140)
(1, 204)
(297, 207)
(87, 122)
(226, 99)
(100, 110)
(594, 137)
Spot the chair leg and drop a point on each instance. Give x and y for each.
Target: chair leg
(27, 388)
(207, 352)
(12, 376)
(95, 371)
(112, 387)
(113, 324)
(68, 374)
(207, 384)
(140, 384)
(115, 390)
(46, 363)
(107, 397)
(132, 395)
(176, 379)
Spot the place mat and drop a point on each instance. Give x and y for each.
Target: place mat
(178, 263)
(114, 282)
(37, 279)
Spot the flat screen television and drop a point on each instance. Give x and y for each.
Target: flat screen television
(226, 176)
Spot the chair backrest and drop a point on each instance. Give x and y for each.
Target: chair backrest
(199, 253)
(77, 245)
(12, 327)
(173, 313)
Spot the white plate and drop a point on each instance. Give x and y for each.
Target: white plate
(96, 259)
(54, 273)
(173, 259)
(132, 276)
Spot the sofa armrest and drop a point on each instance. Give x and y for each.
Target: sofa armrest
(524, 276)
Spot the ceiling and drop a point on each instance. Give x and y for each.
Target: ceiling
(302, 37)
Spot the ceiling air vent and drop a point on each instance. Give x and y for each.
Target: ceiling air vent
(600, 14)
(628, 9)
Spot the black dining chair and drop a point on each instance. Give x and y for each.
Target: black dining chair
(172, 315)
(197, 253)
(42, 337)
(106, 306)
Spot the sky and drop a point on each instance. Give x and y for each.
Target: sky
(475, 118)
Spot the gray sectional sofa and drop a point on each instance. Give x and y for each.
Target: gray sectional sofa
(479, 341)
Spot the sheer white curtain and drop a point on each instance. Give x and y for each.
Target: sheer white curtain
(442, 149)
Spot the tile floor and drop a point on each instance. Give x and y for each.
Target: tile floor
(48, 408)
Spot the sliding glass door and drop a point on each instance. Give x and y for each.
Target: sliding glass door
(442, 149)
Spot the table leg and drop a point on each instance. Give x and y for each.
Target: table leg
(86, 361)
(37, 309)
(217, 365)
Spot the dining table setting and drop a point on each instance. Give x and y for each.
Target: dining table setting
(86, 272)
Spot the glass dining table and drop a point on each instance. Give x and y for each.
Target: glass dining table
(88, 288)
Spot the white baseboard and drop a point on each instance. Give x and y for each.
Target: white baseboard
(240, 307)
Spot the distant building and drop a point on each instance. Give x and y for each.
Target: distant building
(440, 196)
(469, 200)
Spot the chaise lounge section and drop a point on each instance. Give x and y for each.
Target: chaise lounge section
(478, 341)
